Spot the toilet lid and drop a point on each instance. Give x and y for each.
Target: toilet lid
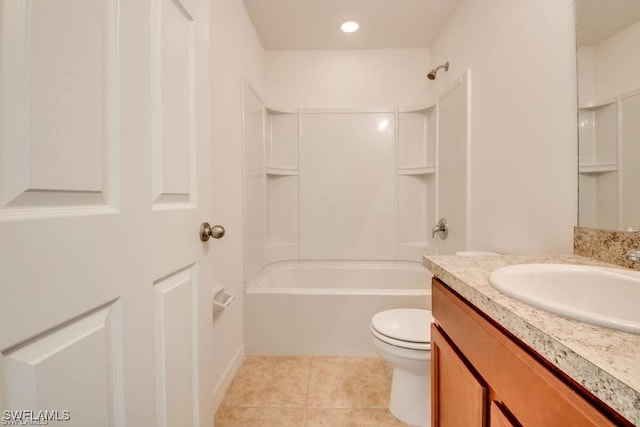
(405, 324)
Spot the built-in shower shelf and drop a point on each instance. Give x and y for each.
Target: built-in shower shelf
(422, 170)
(416, 139)
(280, 171)
(597, 105)
(280, 110)
(416, 109)
(597, 168)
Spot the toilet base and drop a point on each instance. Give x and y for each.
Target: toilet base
(410, 399)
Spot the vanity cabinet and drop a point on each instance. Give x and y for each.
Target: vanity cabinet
(459, 394)
(484, 376)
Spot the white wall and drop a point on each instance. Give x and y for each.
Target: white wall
(617, 63)
(523, 128)
(586, 75)
(347, 78)
(254, 186)
(347, 187)
(611, 67)
(236, 52)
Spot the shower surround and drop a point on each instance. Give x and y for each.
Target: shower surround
(338, 203)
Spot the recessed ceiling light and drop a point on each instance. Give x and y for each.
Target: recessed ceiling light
(349, 26)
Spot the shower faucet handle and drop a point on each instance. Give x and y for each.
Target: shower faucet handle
(441, 228)
(634, 255)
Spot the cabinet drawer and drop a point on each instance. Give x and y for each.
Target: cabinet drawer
(531, 392)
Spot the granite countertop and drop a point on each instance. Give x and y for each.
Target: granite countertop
(606, 362)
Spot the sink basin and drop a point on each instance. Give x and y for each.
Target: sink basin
(608, 297)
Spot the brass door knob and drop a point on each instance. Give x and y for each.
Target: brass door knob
(207, 231)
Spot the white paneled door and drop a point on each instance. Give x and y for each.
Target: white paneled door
(103, 186)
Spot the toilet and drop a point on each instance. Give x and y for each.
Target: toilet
(402, 338)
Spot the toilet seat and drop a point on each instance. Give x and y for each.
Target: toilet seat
(399, 343)
(406, 327)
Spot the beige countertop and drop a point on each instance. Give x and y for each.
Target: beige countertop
(606, 362)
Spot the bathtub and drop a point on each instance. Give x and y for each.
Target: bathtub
(324, 308)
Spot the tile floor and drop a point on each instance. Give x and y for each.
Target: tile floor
(308, 392)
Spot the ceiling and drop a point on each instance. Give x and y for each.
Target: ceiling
(597, 20)
(314, 24)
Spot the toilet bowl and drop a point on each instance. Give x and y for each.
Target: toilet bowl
(402, 338)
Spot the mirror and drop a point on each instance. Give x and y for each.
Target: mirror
(608, 39)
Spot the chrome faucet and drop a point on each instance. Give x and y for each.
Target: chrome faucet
(634, 255)
(441, 228)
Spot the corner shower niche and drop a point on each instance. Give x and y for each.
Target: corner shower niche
(416, 180)
(598, 166)
(609, 166)
(356, 184)
(282, 182)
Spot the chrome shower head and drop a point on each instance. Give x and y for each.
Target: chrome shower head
(432, 73)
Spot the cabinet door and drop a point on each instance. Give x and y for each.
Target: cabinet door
(458, 397)
(498, 416)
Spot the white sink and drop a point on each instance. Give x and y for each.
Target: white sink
(608, 297)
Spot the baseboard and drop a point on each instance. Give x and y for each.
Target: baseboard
(225, 381)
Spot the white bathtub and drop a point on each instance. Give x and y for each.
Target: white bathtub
(324, 308)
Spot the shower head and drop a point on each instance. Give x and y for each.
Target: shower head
(432, 73)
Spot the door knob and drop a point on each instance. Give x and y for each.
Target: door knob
(206, 231)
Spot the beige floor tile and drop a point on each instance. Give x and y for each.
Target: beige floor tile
(351, 418)
(276, 382)
(349, 382)
(259, 417)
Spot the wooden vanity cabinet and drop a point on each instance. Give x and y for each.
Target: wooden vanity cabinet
(481, 375)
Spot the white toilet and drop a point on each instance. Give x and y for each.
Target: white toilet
(402, 337)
